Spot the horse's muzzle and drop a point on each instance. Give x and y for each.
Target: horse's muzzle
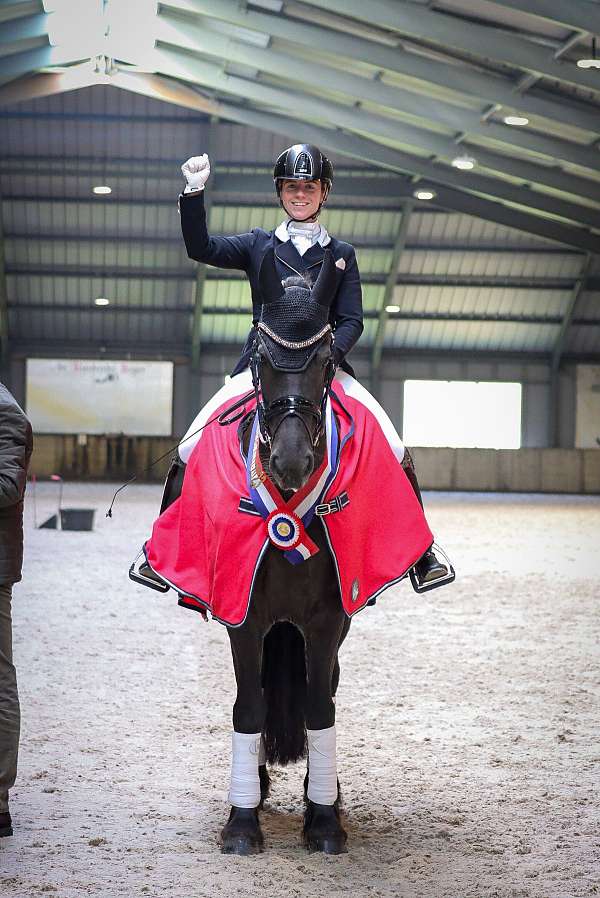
(292, 473)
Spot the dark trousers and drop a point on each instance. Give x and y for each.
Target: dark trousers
(10, 716)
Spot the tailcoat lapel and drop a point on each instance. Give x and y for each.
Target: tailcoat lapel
(291, 258)
(287, 253)
(313, 256)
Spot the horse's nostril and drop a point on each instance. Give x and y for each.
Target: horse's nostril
(292, 475)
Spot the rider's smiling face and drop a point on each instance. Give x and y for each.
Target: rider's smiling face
(301, 199)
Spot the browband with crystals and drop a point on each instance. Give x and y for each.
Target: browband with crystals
(290, 344)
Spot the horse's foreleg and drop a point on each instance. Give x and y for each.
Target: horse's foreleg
(323, 830)
(242, 833)
(335, 680)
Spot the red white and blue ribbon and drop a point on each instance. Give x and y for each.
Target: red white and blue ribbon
(286, 522)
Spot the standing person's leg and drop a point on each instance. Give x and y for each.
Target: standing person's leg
(10, 718)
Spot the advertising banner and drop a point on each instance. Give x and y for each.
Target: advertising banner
(93, 396)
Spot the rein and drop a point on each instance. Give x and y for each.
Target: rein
(224, 419)
(284, 407)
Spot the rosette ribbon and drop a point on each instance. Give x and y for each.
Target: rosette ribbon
(286, 522)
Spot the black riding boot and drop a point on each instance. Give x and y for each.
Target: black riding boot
(171, 491)
(173, 483)
(428, 567)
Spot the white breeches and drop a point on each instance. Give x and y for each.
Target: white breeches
(242, 383)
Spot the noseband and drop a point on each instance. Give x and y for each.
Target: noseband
(291, 405)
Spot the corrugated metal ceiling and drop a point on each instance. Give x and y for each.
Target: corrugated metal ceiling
(64, 247)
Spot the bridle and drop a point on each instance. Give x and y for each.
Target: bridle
(291, 405)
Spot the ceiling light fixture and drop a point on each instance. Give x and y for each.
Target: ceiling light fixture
(392, 309)
(422, 194)
(464, 162)
(518, 120)
(102, 189)
(591, 62)
(101, 301)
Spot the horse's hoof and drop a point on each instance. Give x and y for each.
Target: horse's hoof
(327, 844)
(241, 845)
(242, 833)
(323, 830)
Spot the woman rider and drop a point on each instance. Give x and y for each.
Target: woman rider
(303, 178)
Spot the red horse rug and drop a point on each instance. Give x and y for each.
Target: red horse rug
(209, 543)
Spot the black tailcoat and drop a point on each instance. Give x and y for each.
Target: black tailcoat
(245, 252)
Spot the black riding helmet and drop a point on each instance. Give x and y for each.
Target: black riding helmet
(303, 162)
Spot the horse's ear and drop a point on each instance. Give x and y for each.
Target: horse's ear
(270, 283)
(324, 289)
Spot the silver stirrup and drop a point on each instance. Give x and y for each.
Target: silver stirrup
(450, 577)
(138, 577)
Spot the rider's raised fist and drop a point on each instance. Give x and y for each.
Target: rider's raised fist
(196, 171)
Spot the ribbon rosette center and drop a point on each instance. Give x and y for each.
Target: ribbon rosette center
(285, 529)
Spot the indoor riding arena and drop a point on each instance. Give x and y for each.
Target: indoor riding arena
(452, 149)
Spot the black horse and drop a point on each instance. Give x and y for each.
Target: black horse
(285, 651)
(285, 654)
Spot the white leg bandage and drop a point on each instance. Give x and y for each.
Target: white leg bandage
(245, 785)
(262, 753)
(322, 769)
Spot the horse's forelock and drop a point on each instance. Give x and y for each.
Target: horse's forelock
(296, 281)
(295, 318)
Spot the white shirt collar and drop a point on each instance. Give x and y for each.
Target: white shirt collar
(281, 232)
